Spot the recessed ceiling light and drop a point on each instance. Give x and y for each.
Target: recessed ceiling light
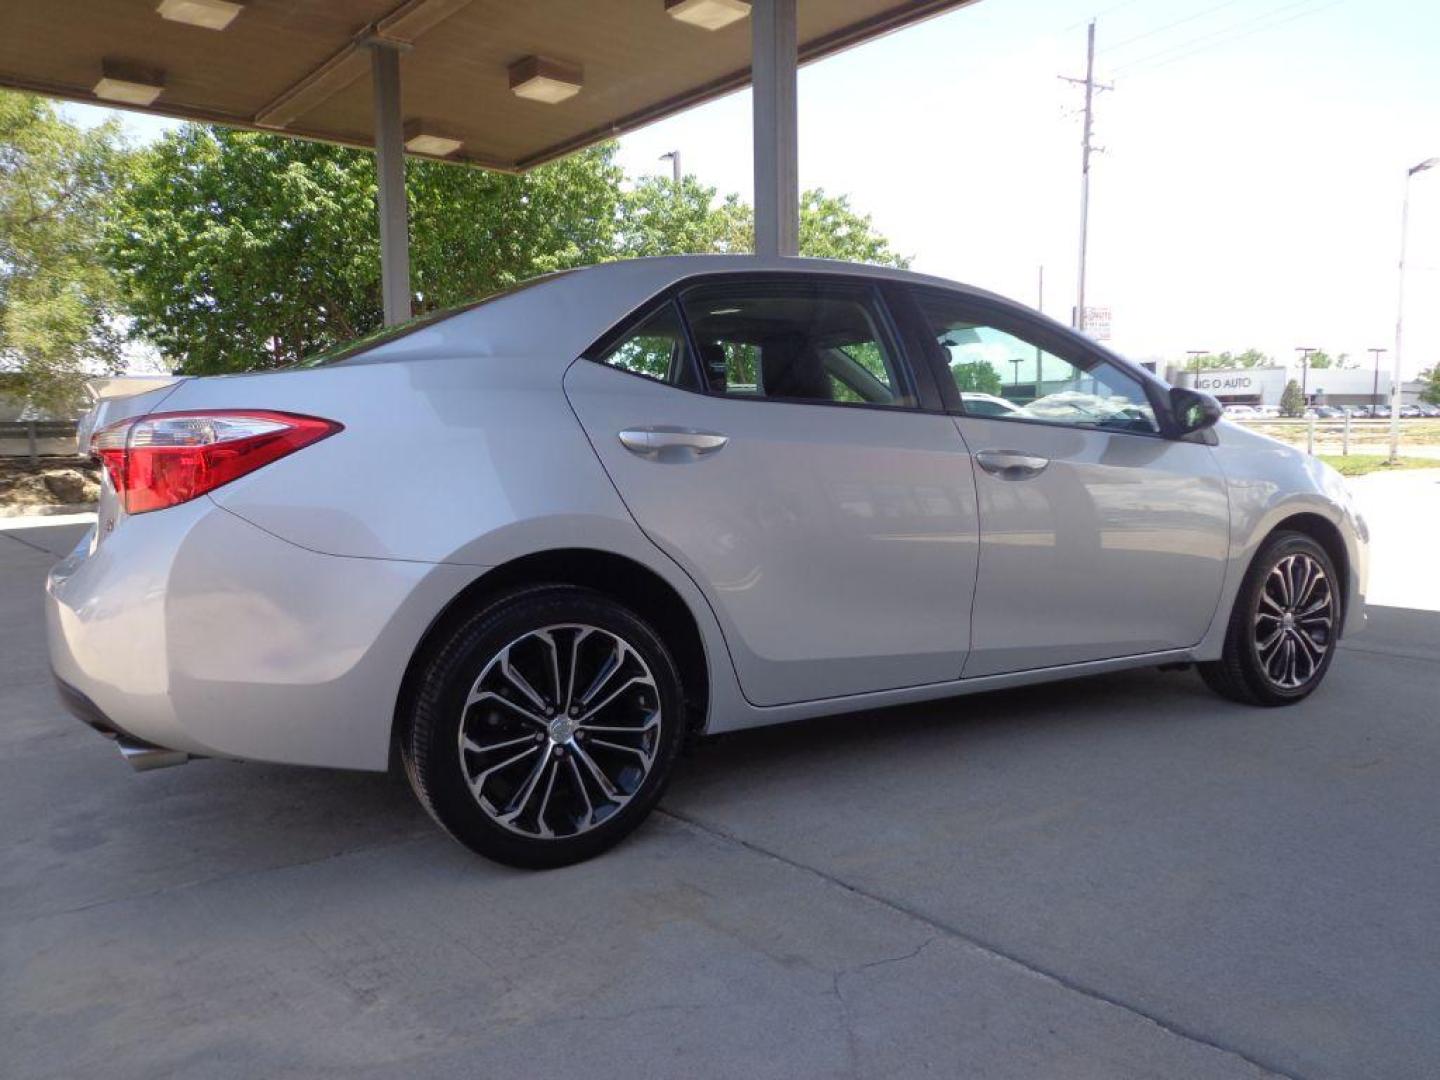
(129, 84)
(542, 79)
(420, 138)
(210, 14)
(708, 14)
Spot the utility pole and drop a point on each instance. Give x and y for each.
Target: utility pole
(1195, 355)
(675, 173)
(1375, 386)
(1086, 150)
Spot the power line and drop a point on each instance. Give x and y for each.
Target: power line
(1225, 35)
(1239, 37)
(1213, 34)
(1167, 26)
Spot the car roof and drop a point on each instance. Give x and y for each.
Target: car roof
(555, 318)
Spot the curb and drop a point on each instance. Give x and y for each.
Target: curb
(46, 511)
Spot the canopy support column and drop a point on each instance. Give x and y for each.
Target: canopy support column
(390, 171)
(773, 59)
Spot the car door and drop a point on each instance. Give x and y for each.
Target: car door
(766, 433)
(1100, 535)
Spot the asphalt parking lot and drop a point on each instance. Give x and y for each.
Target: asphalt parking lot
(1120, 877)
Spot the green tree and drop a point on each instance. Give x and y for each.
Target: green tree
(658, 220)
(58, 322)
(1320, 360)
(1292, 399)
(1430, 385)
(1250, 358)
(243, 250)
(1253, 358)
(830, 228)
(976, 375)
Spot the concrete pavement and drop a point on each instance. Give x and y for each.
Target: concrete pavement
(1402, 510)
(1120, 877)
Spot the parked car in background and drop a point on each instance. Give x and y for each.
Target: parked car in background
(978, 404)
(1429, 411)
(537, 543)
(1238, 412)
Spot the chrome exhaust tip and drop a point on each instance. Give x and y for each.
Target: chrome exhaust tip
(142, 757)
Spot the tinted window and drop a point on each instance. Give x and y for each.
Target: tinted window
(656, 349)
(794, 342)
(987, 362)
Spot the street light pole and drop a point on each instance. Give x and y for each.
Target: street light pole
(675, 173)
(1305, 351)
(1195, 355)
(1400, 307)
(1375, 385)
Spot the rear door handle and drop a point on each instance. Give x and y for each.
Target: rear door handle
(663, 443)
(1011, 464)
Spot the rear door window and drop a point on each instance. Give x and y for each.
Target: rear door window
(821, 342)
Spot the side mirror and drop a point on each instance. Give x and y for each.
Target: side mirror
(1192, 410)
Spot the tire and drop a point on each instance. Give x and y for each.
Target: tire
(1255, 667)
(529, 788)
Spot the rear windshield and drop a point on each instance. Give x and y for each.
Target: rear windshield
(392, 333)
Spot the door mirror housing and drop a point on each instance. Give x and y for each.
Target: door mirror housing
(1192, 410)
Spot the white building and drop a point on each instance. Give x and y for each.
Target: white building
(1325, 386)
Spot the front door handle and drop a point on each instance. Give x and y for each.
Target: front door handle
(1011, 464)
(664, 443)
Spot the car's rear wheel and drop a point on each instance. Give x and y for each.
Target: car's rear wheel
(543, 729)
(1283, 628)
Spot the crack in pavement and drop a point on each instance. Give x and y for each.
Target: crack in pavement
(201, 882)
(852, 1048)
(1064, 981)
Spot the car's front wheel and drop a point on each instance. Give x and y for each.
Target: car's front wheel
(1284, 626)
(543, 728)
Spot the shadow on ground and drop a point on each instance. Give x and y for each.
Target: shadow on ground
(1122, 876)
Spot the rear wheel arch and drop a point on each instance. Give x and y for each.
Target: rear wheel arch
(618, 577)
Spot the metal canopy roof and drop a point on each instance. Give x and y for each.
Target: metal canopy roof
(300, 66)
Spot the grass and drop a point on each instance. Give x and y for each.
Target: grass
(1363, 464)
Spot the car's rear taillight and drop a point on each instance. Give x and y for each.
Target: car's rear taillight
(165, 459)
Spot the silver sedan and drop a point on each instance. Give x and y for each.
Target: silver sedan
(537, 543)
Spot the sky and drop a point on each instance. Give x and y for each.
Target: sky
(1249, 193)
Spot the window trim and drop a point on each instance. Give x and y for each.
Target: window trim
(1035, 329)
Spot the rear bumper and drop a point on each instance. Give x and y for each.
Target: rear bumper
(191, 632)
(138, 754)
